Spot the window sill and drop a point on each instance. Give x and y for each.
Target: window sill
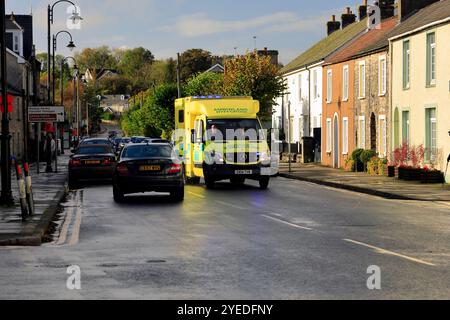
(361, 98)
(430, 86)
(406, 88)
(382, 94)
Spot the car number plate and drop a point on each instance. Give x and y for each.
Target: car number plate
(149, 168)
(243, 172)
(92, 162)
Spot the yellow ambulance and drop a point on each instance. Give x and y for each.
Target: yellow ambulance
(221, 138)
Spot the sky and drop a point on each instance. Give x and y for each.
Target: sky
(166, 27)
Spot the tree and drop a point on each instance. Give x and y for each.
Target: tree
(132, 61)
(116, 84)
(96, 58)
(194, 61)
(254, 75)
(207, 83)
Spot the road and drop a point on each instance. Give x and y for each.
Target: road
(294, 241)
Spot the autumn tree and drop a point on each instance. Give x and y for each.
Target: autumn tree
(254, 75)
(194, 61)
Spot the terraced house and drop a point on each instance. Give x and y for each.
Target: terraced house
(300, 110)
(420, 110)
(356, 104)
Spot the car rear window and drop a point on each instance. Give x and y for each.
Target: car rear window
(96, 142)
(94, 150)
(147, 151)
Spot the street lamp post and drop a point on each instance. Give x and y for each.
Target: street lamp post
(71, 46)
(50, 12)
(6, 197)
(61, 85)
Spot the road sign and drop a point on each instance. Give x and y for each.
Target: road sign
(46, 114)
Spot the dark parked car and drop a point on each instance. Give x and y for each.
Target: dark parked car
(137, 139)
(148, 167)
(91, 162)
(96, 141)
(123, 142)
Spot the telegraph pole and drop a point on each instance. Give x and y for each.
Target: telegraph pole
(178, 75)
(6, 197)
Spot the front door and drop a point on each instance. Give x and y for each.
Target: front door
(199, 145)
(336, 143)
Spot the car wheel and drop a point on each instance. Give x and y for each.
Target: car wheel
(73, 184)
(118, 195)
(177, 194)
(237, 181)
(192, 181)
(264, 183)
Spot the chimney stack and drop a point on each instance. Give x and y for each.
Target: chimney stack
(387, 8)
(333, 25)
(348, 18)
(408, 7)
(362, 10)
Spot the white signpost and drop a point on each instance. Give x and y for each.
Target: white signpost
(38, 114)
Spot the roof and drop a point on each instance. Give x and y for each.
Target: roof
(437, 11)
(364, 42)
(12, 25)
(216, 68)
(326, 46)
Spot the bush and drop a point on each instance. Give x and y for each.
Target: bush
(357, 164)
(367, 155)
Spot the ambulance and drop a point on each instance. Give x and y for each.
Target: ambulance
(221, 138)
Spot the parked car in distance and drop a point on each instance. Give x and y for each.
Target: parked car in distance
(137, 139)
(96, 141)
(91, 162)
(156, 140)
(123, 142)
(116, 143)
(148, 167)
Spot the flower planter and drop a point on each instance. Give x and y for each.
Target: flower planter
(410, 174)
(432, 177)
(391, 171)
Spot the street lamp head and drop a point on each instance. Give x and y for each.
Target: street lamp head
(75, 17)
(71, 46)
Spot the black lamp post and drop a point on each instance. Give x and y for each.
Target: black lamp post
(62, 94)
(6, 197)
(71, 46)
(75, 17)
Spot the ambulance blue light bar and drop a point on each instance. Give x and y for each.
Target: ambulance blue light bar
(207, 97)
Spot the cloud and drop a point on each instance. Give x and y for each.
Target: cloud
(200, 24)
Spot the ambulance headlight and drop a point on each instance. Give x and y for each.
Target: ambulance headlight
(264, 157)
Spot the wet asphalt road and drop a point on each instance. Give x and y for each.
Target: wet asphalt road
(294, 241)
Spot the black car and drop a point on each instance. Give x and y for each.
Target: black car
(91, 162)
(96, 141)
(148, 167)
(137, 139)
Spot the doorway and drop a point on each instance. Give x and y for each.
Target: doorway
(336, 142)
(373, 132)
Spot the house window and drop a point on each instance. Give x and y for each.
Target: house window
(406, 64)
(16, 43)
(315, 89)
(431, 134)
(345, 86)
(383, 137)
(382, 79)
(328, 135)
(329, 86)
(345, 136)
(362, 80)
(300, 94)
(405, 127)
(431, 59)
(362, 132)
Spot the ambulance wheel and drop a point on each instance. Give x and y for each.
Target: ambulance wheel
(264, 183)
(192, 181)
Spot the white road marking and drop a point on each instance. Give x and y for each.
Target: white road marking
(287, 223)
(76, 228)
(230, 205)
(196, 195)
(387, 252)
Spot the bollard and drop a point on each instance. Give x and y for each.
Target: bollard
(29, 189)
(22, 192)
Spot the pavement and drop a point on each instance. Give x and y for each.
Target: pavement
(49, 189)
(297, 240)
(382, 186)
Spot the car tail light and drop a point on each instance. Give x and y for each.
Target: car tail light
(74, 163)
(122, 169)
(174, 168)
(106, 162)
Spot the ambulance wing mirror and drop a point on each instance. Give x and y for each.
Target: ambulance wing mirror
(192, 136)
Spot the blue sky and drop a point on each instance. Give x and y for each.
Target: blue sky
(169, 26)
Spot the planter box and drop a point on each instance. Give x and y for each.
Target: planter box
(432, 177)
(391, 171)
(410, 174)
